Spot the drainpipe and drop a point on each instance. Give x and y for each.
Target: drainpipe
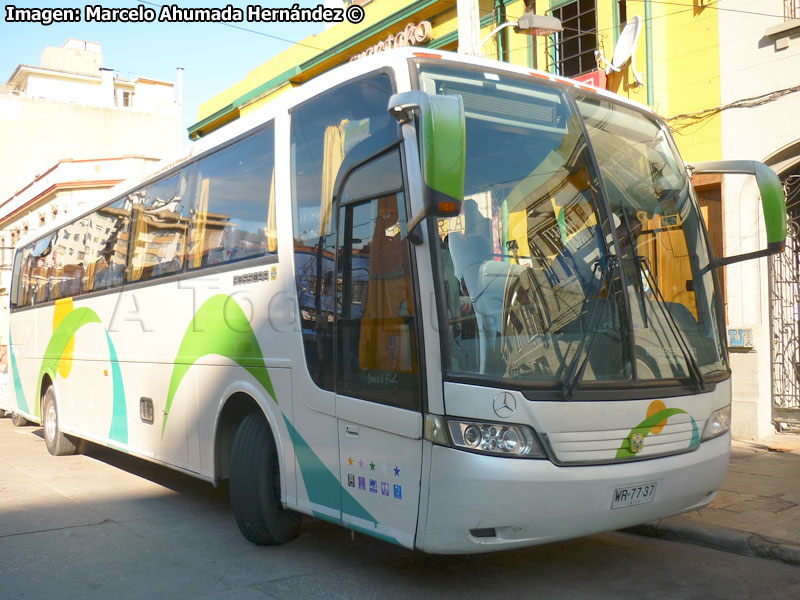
(469, 27)
(502, 37)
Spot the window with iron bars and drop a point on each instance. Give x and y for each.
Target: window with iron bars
(571, 52)
(791, 9)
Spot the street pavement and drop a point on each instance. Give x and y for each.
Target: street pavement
(757, 510)
(108, 525)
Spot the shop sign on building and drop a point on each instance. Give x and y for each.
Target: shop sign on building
(413, 35)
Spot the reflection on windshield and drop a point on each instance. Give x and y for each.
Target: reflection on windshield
(662, 246)
(535, 287)
(526, 263)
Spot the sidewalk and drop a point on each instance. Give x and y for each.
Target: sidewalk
(757, 510)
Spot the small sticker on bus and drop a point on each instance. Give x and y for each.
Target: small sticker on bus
(253, 277)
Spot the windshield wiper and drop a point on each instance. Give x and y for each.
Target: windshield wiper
(639, 283)
(643, 267)
(574, 375)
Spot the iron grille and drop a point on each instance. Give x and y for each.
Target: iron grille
(784, 276)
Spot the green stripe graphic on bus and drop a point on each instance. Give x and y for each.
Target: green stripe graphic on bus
(57, 347)
(22, 404)
(657, 416)
(219, 327)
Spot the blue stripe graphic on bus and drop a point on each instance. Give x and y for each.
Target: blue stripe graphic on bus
(119, 417)
(323, 487)
(22, 404)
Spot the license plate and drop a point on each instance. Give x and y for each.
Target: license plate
(641, 493)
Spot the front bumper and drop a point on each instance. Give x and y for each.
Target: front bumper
(481, 503)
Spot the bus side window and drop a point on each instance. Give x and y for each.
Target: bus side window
(16, 286)
(107, 250)
(23, 285)
(234, 203)
(70, 244)
(161, 216)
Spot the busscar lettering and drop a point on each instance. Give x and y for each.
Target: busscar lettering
(251, 278)
(43, 16)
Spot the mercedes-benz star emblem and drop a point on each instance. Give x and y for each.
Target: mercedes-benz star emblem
(505, 405)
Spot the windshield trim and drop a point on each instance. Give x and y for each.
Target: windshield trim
(616, 246)
(593, 391)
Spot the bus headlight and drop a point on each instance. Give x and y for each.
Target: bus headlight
(718, 423)
(495, 438)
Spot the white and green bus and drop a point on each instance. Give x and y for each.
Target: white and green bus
(447, 302)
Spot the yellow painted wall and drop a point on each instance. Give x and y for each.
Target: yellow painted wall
(305, 50)
(685, 61)
(693, 71)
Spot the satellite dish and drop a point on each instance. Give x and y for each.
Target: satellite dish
(626, 49)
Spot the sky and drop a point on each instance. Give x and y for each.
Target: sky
(214, 56)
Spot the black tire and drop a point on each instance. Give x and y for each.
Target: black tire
(255, 485)
(17, 420)
(57, 443)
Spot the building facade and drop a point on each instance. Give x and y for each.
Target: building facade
(720, 75)
(71, 129)
(760, 99)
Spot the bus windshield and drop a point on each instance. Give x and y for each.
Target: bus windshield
(579, 255)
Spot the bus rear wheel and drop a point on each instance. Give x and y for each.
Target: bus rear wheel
(255, 485)
(57, 443)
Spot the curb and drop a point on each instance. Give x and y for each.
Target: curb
(680, 529)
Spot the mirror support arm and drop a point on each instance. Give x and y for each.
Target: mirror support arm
(773, 204)
(773, 200)
(729, 260)
(413, 234)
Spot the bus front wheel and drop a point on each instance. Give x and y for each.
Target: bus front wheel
(57, 443)
(255, 485)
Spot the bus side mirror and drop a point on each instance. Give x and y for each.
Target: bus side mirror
(773, 203)
(443, 142)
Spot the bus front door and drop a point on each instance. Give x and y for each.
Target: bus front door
(378, 381)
